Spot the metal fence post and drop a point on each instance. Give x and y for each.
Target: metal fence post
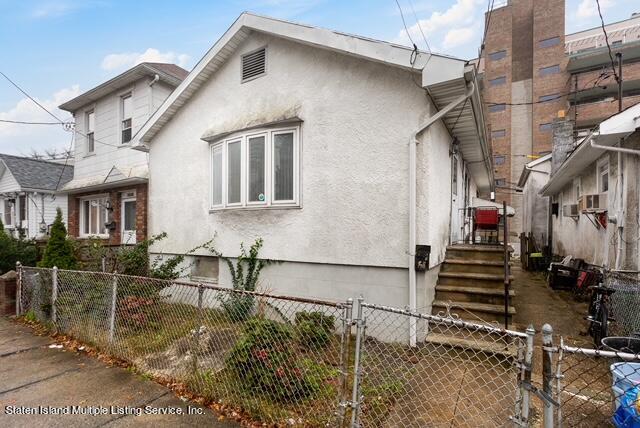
(196, 342)
(355, 397)
(103, 263)
(547, 374)
(19, 289)
(54, 293)
(112, 319)
(527, 369)
(347, 323)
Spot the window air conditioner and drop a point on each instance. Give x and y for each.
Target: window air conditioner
(570, 210)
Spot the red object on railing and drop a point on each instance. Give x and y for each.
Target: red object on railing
(487, 219)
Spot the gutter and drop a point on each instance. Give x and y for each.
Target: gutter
(413, 197)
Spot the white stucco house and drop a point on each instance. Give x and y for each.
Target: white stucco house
(535, 208)
(595, 195)
(29, 194)
(343, 153)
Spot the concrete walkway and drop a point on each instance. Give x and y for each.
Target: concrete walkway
(35, 378)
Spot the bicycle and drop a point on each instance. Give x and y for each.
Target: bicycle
(599, 313)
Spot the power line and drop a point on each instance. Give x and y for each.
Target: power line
(21, 122)
(66, 161)
(606, 39)
(420, 26)
(31, 98)
(404, 23)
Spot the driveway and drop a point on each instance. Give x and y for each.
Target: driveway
(76, 390)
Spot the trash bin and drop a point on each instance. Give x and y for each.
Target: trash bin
(626, 380)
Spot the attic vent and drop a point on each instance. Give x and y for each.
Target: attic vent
(254, 64)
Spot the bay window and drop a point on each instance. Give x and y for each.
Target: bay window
(93, 217)
(256, 169)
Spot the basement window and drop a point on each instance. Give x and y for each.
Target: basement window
(205, 268)
(256, 170)
(254, 64)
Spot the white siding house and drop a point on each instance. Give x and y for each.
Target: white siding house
(597, 201)
(108, 193)
(304, 137)
(29, 194)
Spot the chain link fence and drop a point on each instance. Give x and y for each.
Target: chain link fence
(289, 361)
(457, 374)
(625, 302)
(281, 359)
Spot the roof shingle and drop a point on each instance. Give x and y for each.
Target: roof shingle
(37, 174)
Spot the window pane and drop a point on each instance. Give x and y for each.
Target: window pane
(547, 43)
(498, 81)
(126, 107)
(85, 217)
(95, 218)
(554, 69)
(234, 170)
(104, 217)
(216, 184)
(495, 108)
(551, 97)
(90, 122)
(256, 169)
(499, 133)
(283, 166)
(497, 55)
(130, 215)
(499, 160)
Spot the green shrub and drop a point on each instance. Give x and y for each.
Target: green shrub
(314, 329)
(264, 361)
(59, 251)
(244, 276)
(14, 250)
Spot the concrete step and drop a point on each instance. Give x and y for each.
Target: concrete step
(472, 310)
(473, 266)
(499, 348)
(455, 293)
(466, 279)
(476, 252)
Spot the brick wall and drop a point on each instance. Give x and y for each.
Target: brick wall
(114, 196)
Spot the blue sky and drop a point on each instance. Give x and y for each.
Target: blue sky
(58, 49)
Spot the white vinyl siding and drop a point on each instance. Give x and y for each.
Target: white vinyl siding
(256, 169)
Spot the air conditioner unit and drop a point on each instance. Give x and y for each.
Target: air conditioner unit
(570, 210)
(596, 202)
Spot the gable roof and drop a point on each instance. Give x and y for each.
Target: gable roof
(168, 73)
(36, 174)
(361, 47)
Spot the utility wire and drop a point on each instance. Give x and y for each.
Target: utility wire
(31, 98)
(606, 39)
(404, 23)
(420, 26)
(66, 161)
(21, 122)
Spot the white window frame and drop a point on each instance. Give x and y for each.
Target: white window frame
(82, 200)
(121, 98)
(603, 162)
(12, 213)
(269, 182)
(577, 188)
(91, 140)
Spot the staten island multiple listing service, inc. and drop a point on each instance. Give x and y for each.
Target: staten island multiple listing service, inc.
(101, 410)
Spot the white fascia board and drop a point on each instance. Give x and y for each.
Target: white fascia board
(442, 69)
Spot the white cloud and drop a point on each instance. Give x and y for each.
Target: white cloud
(589, 8)
(458, 37)
(457, 25)
(124, 60)
(20, 139)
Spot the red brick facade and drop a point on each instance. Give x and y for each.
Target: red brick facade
(115, 199)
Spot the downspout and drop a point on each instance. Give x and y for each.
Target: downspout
(413, 197)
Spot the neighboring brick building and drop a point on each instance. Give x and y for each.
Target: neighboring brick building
(532, 71)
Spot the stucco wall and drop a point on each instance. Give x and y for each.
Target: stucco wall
(358, 118)
(580, 238)
(535, 209)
